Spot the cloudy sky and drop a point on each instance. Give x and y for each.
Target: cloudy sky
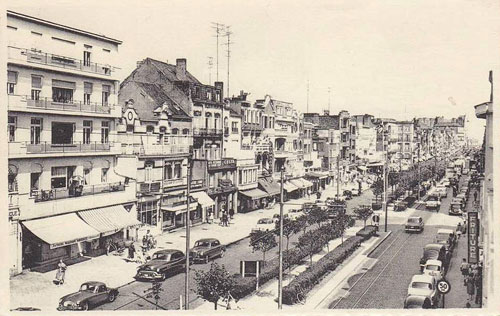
(396, 58)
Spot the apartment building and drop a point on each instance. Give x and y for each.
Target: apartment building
(63, 174)
(366, 138)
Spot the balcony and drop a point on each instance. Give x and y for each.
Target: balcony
(224, 186)
(63, 193)
(203, 132)
(196, 184)
(154, 150)
(257, 147)
(38, 57)
(174, 182)
(281, 153)
(149, 187)
(46, 147)
(222, 164)
(23, 102)
(248, 127)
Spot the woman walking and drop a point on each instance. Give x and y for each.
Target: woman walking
(471, 287)
(61, 273)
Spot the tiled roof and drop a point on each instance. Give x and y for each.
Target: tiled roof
(170, 71)
(155, 92)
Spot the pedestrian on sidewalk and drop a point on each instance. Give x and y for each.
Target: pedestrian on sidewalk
(61, 273)
(471, 286)
(231, 213)
(459, 230)
(475, 196)
(464, 268)
(131, 251)
(224, 219)
(210, 217)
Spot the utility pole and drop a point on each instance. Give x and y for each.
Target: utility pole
(210, 65)
(228, 51)
(338, 176)
(280, 277)
(384, 175)
(188, 229)
(218, 27)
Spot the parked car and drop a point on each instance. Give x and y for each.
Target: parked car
(434, 252)
(455, 207)
(276, 217)
(347, 194)
(414, 224)
(417, 301)
(445, 182)
(264, 224)
(446, 237)
(89, 295)
(461, 197)
(295, 213)
(434, 268)
(376, 204)
(163, 262)
(424, 285)
(441, 190)
(433, 202)
(206, 249)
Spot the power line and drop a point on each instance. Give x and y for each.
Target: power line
(218, 27)
(228, 51)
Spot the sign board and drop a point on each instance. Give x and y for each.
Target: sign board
(472, 237)
(376, 218)
(251, 268)
(443, 286)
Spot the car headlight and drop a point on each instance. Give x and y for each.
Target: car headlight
(157, 270)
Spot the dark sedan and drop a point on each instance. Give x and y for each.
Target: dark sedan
(90, 294)
(417, 302)
(206, 249)
(162, 263)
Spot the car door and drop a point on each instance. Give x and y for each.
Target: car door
(216, 248)
(102, 294)
(177, 260)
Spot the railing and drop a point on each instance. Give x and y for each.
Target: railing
(159, 149)
(251, 127)
(46, 147)
(63, 193)
(257, 147)
(174, 182)
(148, 187)
(207, 132)
(39, 57)
(69, 105)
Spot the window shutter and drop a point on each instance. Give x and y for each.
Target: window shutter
(12, 77)
(87, 87)
(36, 82)
(63, 84)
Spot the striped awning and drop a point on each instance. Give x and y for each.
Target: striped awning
(109, 219)
(289, 187)
(254, 194)
(61, 230)
(203, 199)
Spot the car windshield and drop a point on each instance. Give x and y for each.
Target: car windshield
(421, 285)
(161, 256)
(88, 287)
(432, 267)
(413, 220)
(431, 254)
(202, 243)
(443, 236)
(264, 221)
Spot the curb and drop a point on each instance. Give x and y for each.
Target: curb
(236, 241)
(374, 247)
(118, 287)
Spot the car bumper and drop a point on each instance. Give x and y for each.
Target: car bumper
(148, 276)
(69, 308)
(413, 229)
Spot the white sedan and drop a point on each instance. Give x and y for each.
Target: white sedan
(424, 285)
(264, 224)
(434, 268)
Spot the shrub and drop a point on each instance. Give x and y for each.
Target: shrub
(304, 282)
(367, 232)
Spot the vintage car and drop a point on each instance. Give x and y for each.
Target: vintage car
(376, 204)
(89, 295)
(206, 249)
(264, 224)
(417, 302)
(445, 182)
(435, 252)
(456, 207)
(434, 268)
(414, 224)
(462, 197)
(433, 202)
(441, 190)
(424, 285)
(163, 263)
(446, 237)
(295, 213)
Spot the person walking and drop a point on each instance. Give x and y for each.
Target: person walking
(61, 273)
(475, 196)
(224, 219)
(464, 268)
(131, 251)
(210, 217)
(471, 286)
(231, 213)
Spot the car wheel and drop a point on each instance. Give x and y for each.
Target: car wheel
(85, 306)
(111, 297)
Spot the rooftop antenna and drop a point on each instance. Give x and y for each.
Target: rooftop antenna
(218, 27)
(210, 65)
(228, 51)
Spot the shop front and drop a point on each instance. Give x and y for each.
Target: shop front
(291, 191)
(205, 204)
(303, 185)
(224, 197)
(319, 181)
(251, 200)
(174, 210)
(272, 188)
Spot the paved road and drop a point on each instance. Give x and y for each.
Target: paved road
(385, 284)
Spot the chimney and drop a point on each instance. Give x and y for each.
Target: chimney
(139, 63)
(326, 112)
(219, 89)
(180, 68)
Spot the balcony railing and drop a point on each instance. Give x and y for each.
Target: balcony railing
(251, 127)
(149, 187)
(50, 104)
(46, 147)
(157, 149)
(207, 131)
(174, 182)
(64, 193)
(39, 57)
(256, 147)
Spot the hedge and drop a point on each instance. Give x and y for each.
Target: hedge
(294, 256)
(296, 290)
(367, 232)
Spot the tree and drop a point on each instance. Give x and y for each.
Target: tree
(378, 188)
(154, 292)
(302, 222)
(317, 216)
(310, 243)
(290, 227)
(214, 284)
(329, 232)
(262, 241)
(363, 212)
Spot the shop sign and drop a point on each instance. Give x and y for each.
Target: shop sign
(472, 240)
(71, 242)
(220, 164)
(14, 214)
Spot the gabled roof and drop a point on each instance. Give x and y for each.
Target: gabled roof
(170, 71)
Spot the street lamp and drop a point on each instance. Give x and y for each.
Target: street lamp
(188, 228)
(280, 277)
(384, 173)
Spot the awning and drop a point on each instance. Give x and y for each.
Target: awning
(316, 175)
(270, 186)
(179, 209)
(203, 199)
(362, 168)
(301, 183)
(307, 183)
(289, 187)
(109, 219)
(254, 194)
(61, 230)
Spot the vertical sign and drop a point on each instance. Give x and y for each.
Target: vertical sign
(472, 241)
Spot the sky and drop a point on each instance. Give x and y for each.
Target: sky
(393, 58)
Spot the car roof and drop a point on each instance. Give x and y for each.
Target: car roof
(434, 262)
(415, 298)
(433, 246)
(207, 239)
(422, 278)
(167, 251)
(417, 217)
(445, 231)
(93, 283)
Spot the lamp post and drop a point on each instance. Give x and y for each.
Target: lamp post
(384, 174)
(188, 229)
(280, 277)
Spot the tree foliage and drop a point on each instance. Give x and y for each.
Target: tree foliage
(262, 241)
(310, 243)
(214, 284)
(317, 216)
(290, 227)
(363, 212)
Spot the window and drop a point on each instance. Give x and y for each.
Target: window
(104, 132)
(177, 170)
(86, 176)
(59, 177)
(106, 89)
(11, 82)
(62, 132)
(35, 183)
(87, 92)
(104, 175)
(185, 131)
(168, 171)
(87, 131)
(36, 87)
(11, 128)
(86, 58)
(12, 181)
(148, 172)
(62, 91)
(35, 130)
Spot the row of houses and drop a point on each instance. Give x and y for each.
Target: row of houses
(92, 160)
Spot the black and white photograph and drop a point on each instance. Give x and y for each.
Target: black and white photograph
(249, 156)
